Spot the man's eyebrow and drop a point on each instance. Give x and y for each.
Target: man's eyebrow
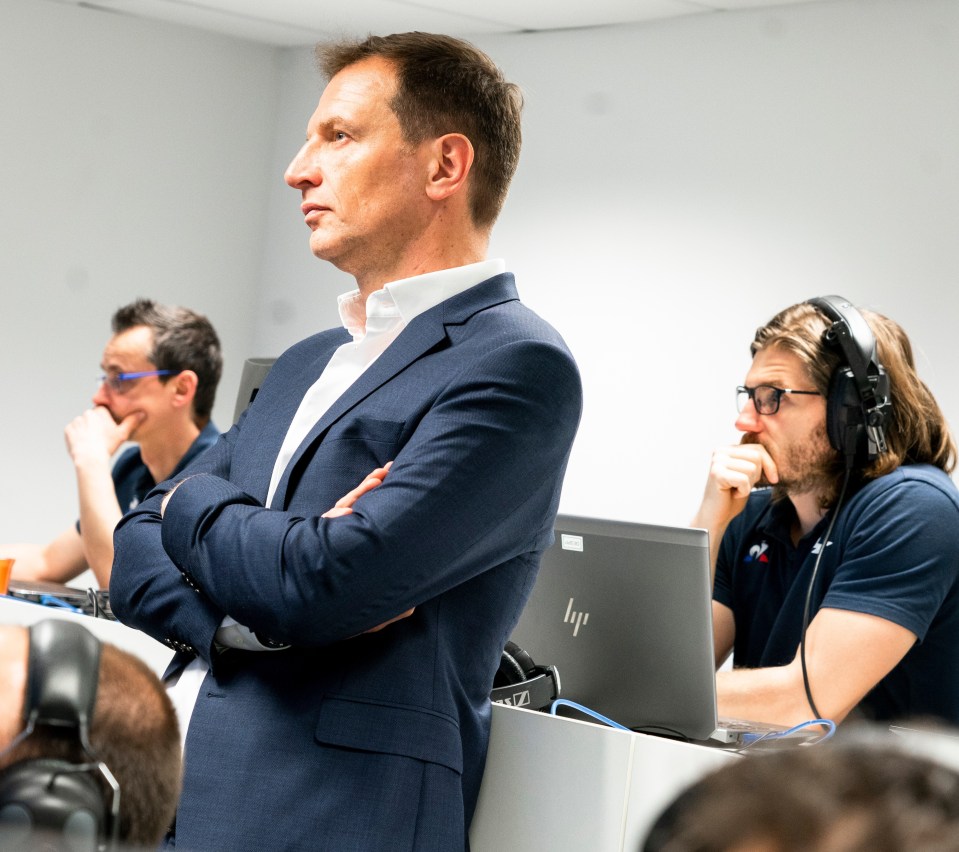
(332, 121)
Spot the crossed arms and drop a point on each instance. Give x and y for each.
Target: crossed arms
(470, 488)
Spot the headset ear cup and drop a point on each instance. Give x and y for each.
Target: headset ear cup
(524, 660)
(509, 671)
(515, 666)
(44, 802)
(844, 421)
(521, 683)
(834, 409)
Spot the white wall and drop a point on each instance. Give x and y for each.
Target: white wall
(133, 162)
(680, 182)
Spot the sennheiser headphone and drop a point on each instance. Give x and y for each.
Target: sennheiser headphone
(48, 803)
(858, 405)
(519, 682)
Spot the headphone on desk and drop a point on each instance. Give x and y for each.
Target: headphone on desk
(858, 405)
(48, 803)
(519, 682)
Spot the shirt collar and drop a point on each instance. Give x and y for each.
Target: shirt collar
(410, 297)
(778, 518)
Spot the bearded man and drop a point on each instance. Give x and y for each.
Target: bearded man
(834, 528)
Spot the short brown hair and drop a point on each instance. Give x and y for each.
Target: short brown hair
(182, 340)
(446, 85)
(135, 733)
(917, 431)
(843, 798)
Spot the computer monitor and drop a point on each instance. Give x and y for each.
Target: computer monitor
(254, 372)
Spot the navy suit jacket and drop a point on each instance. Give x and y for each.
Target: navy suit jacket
(351, 740)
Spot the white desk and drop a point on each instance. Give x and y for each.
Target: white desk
(155, 654)
(550, 782)
(557, 783)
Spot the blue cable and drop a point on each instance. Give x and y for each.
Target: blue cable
(752, 739)
(749, 739)
(50, 600)
(563, 702)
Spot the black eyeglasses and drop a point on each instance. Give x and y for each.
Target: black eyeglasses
(765, 397)
(115, 381)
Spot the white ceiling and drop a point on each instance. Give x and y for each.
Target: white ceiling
(303, 22)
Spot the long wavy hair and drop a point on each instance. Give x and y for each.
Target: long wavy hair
(917, 431)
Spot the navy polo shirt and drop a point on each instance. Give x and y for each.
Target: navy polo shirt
(893, 553)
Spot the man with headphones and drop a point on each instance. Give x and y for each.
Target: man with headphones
(89, 744)
(834, 528)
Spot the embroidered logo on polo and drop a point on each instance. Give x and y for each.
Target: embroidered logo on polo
(757, 553)
(818, 546)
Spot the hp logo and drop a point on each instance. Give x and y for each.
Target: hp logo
(577, 619)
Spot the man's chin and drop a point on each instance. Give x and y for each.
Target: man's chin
(321, 245)
(813, 482)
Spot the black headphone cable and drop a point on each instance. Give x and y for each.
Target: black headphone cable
(809, 590)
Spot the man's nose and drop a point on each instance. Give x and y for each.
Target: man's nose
(102, 395)
(302, 171)
(749, 419)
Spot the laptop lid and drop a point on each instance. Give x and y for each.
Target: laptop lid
(252, 376)
(623, 610)
(88, 601)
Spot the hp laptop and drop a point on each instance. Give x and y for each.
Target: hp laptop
(623, 611)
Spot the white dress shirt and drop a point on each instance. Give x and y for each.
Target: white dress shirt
(373, 326)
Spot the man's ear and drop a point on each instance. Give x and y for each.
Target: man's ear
(451, 161)
(14, 656)
(184, 387)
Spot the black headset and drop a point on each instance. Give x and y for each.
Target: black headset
(519, 682)
(857, 411)
(858, 405)
(49, 803)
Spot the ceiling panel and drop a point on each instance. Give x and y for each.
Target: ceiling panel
(567, 14)
(302, 22)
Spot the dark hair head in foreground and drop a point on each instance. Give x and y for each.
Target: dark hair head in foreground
(828, 798)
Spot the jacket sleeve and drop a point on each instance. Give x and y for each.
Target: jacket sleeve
(147, 591)
(476, 484)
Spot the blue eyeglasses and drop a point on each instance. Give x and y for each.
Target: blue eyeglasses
(765, 398)
(115, 381)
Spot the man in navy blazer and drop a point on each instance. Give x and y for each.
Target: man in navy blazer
(336, 653)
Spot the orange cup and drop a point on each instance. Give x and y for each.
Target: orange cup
(5, 566)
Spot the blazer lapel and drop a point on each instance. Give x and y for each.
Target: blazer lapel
(399, 355)
(424, 333)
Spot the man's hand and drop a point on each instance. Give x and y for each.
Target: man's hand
(733, 473)
(344, 506)
(168, 495)
(402, 615)
(94, 436)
